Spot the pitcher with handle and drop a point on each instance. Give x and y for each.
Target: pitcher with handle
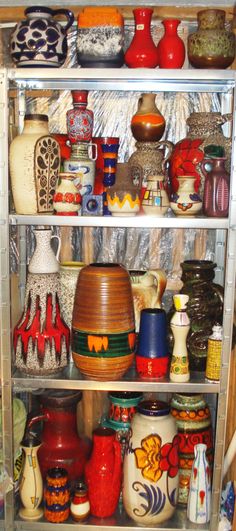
(44, 259)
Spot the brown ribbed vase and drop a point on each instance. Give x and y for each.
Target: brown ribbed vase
(103, 329)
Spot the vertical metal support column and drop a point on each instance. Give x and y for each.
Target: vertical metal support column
(22, 229)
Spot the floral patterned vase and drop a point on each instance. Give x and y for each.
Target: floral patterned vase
(186, 202)
(150, 489)
(79, 119)
(199, 500)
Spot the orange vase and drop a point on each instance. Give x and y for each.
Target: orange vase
(147, 124)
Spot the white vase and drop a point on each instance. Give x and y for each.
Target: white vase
(199, 499)
(44, 260)
(186, 202)
(31, 487)
(68, 275)
(180, 325)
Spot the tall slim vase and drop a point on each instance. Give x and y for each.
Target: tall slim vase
(31, 487)
(199, 500)
(180, 325)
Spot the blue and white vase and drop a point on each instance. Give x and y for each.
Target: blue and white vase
(199, 500)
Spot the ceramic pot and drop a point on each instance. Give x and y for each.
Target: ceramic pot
(99, 176)
(31, 485)
(193, 419)
(39, 40)
(147, 124)
(61, 444)
(79, 120)
(80, 506)
(103, 473)
(123, 198)
(216, 188)
(142, 52)
(171, 49)
(151, 465)
(82, 162)
(149, 160)
(152, 357)
(34, 166)
(180, 325)
(41, 338)
(68, 272)
(205, 133)
(103, 335)
(43, 259)
(212, 46)
(155, 201)
(199, 500)
(56, 496)
(147, 290)
(67, 199)
(186, 202)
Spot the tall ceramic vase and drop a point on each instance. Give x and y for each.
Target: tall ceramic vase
(199, 500)
(31, 486)
(180, 325)
(142, 52)
(171, 48)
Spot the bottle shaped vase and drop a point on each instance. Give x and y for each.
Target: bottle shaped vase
(180, 325)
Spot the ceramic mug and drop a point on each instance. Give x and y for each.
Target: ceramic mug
(152, 358)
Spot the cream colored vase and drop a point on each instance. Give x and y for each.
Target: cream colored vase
(68, 274)
(147, 289)
(44, 260)
(31, 487)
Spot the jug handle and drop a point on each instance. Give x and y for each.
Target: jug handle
(169, 148)
(59, 245)
(219, 291)
(68, 14)
(36, 418)
(161, 280)
(227, 117)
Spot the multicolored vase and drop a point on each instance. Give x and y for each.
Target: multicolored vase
(142, 52)
(147, 124)
(67, 199)
(150, 489)
(80, 506)
(180, 325)
(123, 198)
(110, 155)
(79, 119)
(31, 485)
(82, 164)
(193, 419)
(199, 500)
(186, 202)
(171, 49)
(56, 496)
(152, 357)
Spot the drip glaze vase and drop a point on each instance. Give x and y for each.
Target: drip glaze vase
(31, 485)
(150, 488)
(103, 473)
(56, 496)
(43, 259)
(199, 500)
(147, 124)
(180, 325)
(142, 52)
(103, 327)
(171, 49)
(152, 356)
(79, 120)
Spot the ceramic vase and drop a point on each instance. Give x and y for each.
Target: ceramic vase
(103, 473)
(110, 156)
(214, 354)
(39, 40)
(61, 444)
(147, 124)
(171, 49)
(82, 162)
(193, 419)
(34, 166)
(199, 500)
(123, 198)
(99, 175)
(147, 289)
(80, 506)
(186, 202)
(67, 199)
(216, 188)
(151, 465)
(43, 259)
(180, 325)
(212, 46)
(68, 273)
(149, 160)
(79, 120)
(103, 335)
(152, 356)
(31, 485)
(56, 496)
(142, 52)
(155, 201)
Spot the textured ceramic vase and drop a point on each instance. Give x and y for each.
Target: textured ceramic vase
(147, 288)
(193, 419)
(123, 198)
(56, 496)
(216, 188)
(199, 500)
(79, 120)
(171, 49)
(31, 485)
(212, 46)
(147, 124)
(152, 356)
(40, 41)
(150, 488)
(142, 52)
(180, 325)
(82, 162)
(103, 473)
(186, 202)
(68, 274)
(103, 335)
(34, 166)
(149, 160)
(155, 201)
(43, 259)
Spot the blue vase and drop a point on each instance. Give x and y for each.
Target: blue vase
(152, 358)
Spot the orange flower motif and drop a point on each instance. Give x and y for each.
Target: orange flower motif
(148, 457)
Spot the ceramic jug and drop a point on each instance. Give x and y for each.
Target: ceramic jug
(44, 259)
(39, 40)
(82, 162)
(149, 159)
(147, 289)
(147, 124)
(31, 486)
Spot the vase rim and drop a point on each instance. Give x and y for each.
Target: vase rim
(103, 431)
(211, 10)
(124, 397)
(57, 472)
(40, 117)
(198, 264)
(144, 9)
(153, 408)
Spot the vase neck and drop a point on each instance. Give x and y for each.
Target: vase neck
(35, 126)
(103, 444)
(142, 19)
(171, 26)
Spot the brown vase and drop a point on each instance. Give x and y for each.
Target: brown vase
(103, 328)
(149, 160)
(123, 198)
(147, 124)
(211, 46)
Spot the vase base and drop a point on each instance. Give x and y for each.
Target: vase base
(102, 369)
(31, 514)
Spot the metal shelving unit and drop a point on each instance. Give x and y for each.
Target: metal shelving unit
(22, 80)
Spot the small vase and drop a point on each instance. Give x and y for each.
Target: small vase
(142, 52)
(152, 357)
(67, 199)
(199, 500)
(212, 46)
(80, 506)
(79, 120)
(31, 485)
(216, 188)
(147, 289)
(123, 198)
(43, 259)
(103, 473)
(155, 201)
(56, 496)
(147, 124)
(82, 162)
(39, 40)
(186, 202)
(180, 325)
(171, 49)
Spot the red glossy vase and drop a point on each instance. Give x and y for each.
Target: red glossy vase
(142, 52)
(103, 473)
(171, 49)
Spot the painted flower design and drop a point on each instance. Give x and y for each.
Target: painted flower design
(148, 457)
(184, 161)
(169, 457)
